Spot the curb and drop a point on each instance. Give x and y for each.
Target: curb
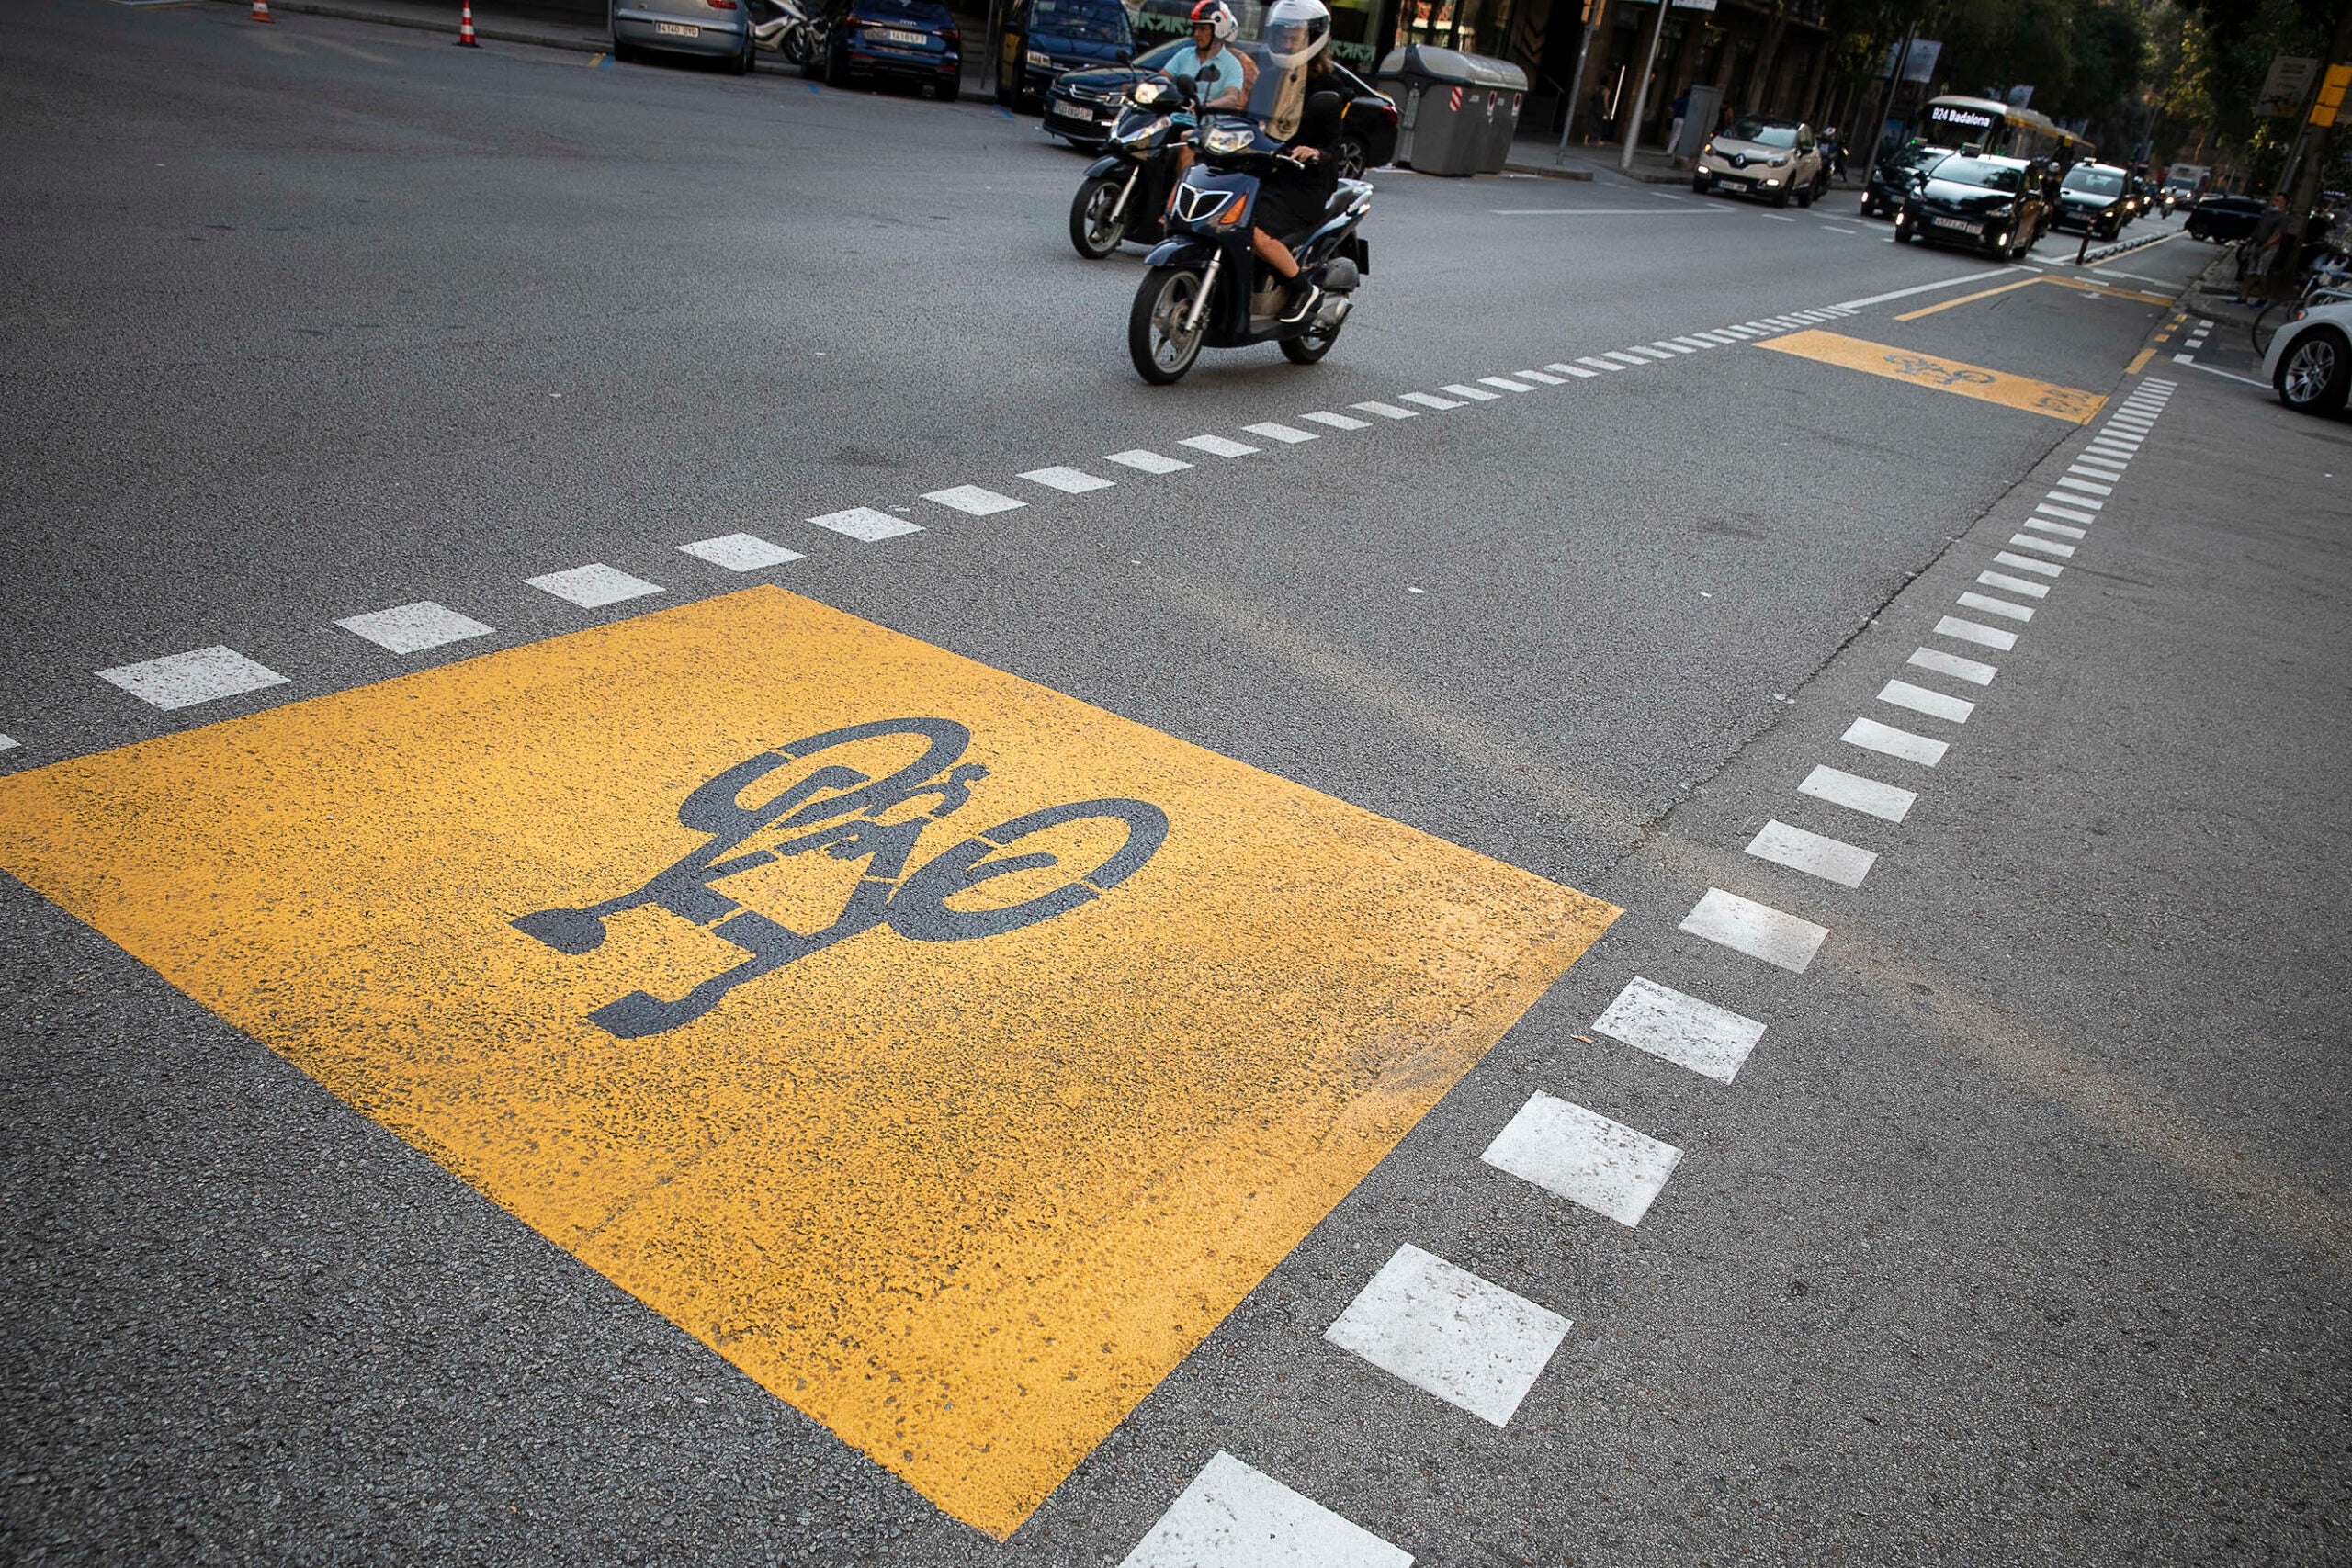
(1542, 173)
(392, 19)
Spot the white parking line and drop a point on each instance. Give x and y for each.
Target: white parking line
(1070, 481)
(1756, 929)
(1888, 802)
(1919, 699)
(413, 629)
(973, 501)
(1234, 1516)
(593, 586)
(869, 524)
(1975, 672)
(200, 675)
(1708, 1040)
(1450, 1333)
(1969, 631)
(1146, 462)
(1887, 740)
(1217, 445)
(1832, 860)
(1585, 1158)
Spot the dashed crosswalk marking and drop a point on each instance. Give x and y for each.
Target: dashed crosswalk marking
(2008, 585)
(1145, 462)
(1068, 481)
(1385, 410)
(1975, 671)
(1815, 854)
(1992, 606)
(1971, 631)
(1273, 430)
(1335, 421)
(1670, 346)
(973, 501)
(1234, 1516)
(740, 552)
(1708, 1040)
(1469, 393)
(1629, 358)
(1593, 362)
(593, 586)
(7, 744)
(413, 629)
(1449, 1333)
(1429, 400)
(1218, 445)
(866, 524)
(1756, 929)
(1585, 1158)
(1581, 372)
(1541, 378)
(1889, 742)
(184, 680)
(1506, 383)
(1889, 803)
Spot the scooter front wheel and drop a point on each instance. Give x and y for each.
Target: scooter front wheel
(1161, 338)
(1092, 228)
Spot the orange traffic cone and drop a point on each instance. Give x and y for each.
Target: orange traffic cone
(261, 11)
(465, 27)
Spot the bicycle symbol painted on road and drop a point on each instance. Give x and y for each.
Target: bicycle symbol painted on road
(1943, 375)
(846, 825)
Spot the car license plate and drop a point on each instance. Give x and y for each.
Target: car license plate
(896, 35)
(677, 30)
(1956, 223)
(1072, 111)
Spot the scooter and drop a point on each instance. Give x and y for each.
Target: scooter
(1126, 190)
(787, 27)
(1207, 289)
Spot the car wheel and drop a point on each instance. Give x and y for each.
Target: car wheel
(742, 63)
(1804, 196)
(622, 54)
(1352, 159)
(2316, 372)
(1702, 184)
(836, 69)
(1901, 232)
(1781, 197)
(950, 90)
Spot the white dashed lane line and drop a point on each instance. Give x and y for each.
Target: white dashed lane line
(1431, 400)
(1387, 411)
(1470, 394)
(1983, 636)
(593, 586)
(1235, 1516)
(413, 629)
(184, 680)
(867, 525)
(1270, 430)
(1889, 803)
(1711, 1041)
(1218, 445)
(1336, 421)
(1449, 1333)
(1918, 699)
(1068, 481)
(1584, 1158)
(1756, 929)
(1832, 860)
(1975, 671)
(1889, 742)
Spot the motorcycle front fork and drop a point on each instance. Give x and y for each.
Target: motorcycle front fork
(1208, 287)
(1135, 172)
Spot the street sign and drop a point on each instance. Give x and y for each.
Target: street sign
(946, 1054)
(1918, 63)
(2329, 101)
(2287, 85)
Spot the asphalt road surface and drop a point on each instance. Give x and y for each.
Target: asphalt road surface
(1713, 923)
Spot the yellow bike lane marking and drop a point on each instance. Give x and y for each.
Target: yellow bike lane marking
(948, 1054)
(1945, 375)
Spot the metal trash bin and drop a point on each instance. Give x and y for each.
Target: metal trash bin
(1457, 112)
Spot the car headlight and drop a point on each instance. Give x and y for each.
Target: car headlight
(1709, 149)
(1039, 57)
(1776, 162)
(1228, 139)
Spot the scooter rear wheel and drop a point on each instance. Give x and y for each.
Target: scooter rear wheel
(1091, 228)
(1307, 348)
(1158, 341)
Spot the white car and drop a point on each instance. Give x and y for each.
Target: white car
(2310, 361)
(1763, 156)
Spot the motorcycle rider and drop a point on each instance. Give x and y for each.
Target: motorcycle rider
(1295, 105)
(1222, 78)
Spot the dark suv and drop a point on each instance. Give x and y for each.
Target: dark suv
(914, 41)
(2092, 197)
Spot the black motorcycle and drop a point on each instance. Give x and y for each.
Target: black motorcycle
(1126, 190)
(1207, 289)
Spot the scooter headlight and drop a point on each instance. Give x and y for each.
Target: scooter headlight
(1148, 93)
(1140, 128)
(1228, 139)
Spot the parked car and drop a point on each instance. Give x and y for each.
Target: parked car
(2222, 218)
(915, 41)
(1891, 176)
(1990, 204)
(1083, 105)
(1039, 39)
(713, 29)
(1775, 159)
(2310, 361)
(2091, 197)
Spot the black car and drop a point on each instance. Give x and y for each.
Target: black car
(1084, 104)
(2223, 217)
(2092, 197)
(1891, 176)
(1988, 204)
(908, 40)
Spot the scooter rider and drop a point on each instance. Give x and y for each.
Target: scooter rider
(1222, 78)
(1295, 105)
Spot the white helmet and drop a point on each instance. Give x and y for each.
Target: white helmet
(1214, 15)
(1296, 31)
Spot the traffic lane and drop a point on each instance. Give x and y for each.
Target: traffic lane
(413, 378)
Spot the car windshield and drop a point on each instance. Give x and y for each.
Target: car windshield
(1981, 172)
(929, 13)
(2094, 181)
(1919, 159)
(1763, 132)
(1090, 21)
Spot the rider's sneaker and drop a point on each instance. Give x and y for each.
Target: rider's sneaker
(1309, 297)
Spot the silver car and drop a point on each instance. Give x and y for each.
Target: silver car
(1760, 156)
(718, 29)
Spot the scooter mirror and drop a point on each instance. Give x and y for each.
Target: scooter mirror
(1186, 88)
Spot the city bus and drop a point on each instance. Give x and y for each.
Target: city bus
(1990, 126)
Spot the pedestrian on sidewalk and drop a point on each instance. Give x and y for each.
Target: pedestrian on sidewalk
(2264, 247)
(1679, 109)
